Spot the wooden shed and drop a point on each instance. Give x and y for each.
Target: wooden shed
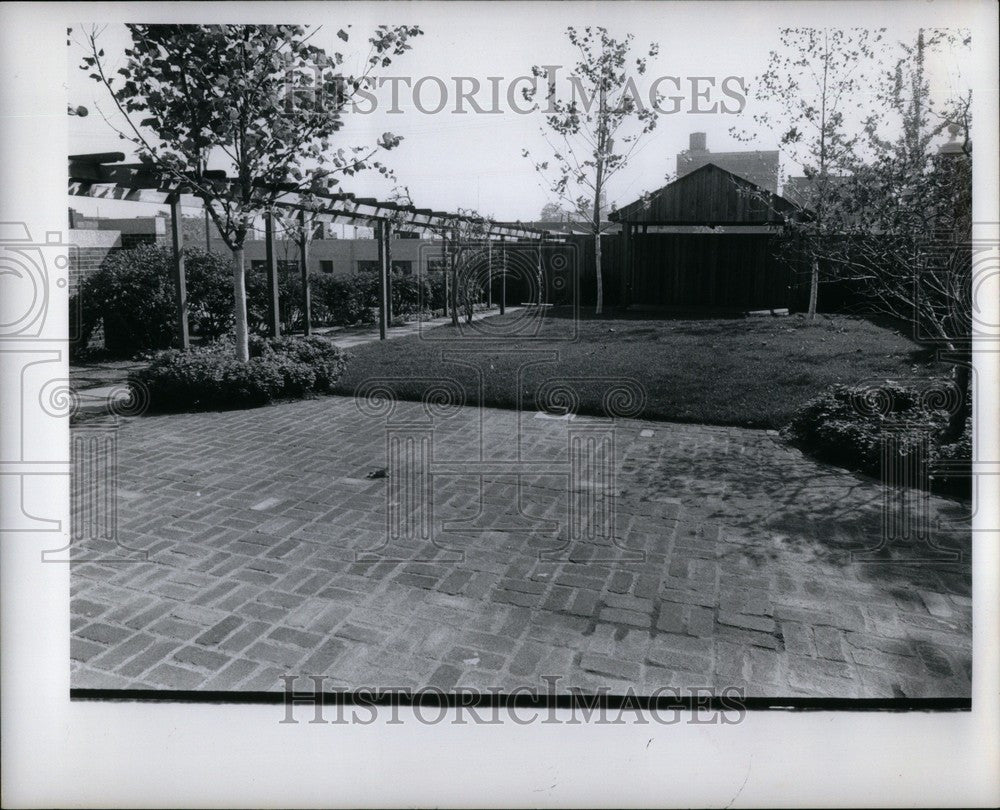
(707, 241)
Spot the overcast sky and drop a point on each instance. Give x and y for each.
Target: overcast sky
(450, 161)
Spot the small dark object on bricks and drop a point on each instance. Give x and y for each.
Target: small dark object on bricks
(379, 473)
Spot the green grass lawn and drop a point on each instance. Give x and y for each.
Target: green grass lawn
(752, 372)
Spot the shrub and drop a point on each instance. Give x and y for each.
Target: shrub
(847, 425)
(132, 294)
(258, 305)
(211, 377)
(210, 291)
(952, 467)
(438, 285)
(411, 294)
(346, 300)
(352, 300)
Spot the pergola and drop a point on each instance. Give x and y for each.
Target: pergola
(105, 176)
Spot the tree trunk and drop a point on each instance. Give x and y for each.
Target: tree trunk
(600, 280)
(240, 307)
(813, 288)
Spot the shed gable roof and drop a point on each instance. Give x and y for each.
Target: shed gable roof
(709, 196)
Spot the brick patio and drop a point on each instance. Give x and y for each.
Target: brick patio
(730, 566)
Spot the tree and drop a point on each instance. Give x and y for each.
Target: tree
(591, 145)
(810, 84)
(904, 212)
(468, 254)
(258, 100)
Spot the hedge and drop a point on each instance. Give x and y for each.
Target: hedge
(211, 378)
(132, 297)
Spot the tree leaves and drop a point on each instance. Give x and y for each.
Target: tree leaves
(261, 99)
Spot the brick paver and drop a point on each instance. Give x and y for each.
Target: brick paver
(730, 565)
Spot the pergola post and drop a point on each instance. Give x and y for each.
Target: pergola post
(454, 278)
(447, 285)
(304, 269)
(503, 274)
(271, 260)
(388, 278)
(180, 282)
(489, 272)
(538, 271)
(383, 279)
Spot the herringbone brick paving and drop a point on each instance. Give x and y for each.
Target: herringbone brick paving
(266, 554)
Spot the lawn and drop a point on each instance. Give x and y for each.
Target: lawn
(751, 372)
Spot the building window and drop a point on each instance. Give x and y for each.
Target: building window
(326, 265)
(284, 265)
(436, 265)
(404, 266)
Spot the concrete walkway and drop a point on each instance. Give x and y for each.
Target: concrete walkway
(267, 551)
(347, 338)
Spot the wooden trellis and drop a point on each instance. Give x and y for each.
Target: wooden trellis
(106, 176)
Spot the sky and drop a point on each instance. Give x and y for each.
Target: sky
(474, 160)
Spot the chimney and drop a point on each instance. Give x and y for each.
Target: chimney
(697, 142)
(953, 147)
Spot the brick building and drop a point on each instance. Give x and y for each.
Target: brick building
(94, 238)
(759, 167)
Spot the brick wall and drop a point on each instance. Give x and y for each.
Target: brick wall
(90, 249)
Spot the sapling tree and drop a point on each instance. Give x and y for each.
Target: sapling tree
(905, 223)
(593, 134)
(813, 87)
(260, 102)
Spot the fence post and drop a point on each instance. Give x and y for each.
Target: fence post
(304, 268)
(180, 282)
(271, 260)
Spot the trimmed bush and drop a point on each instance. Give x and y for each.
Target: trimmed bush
(211, 378)
(345, 300)
(353, 300)
(132, 295)
(411, 295)
(210, 291)
(847, 425)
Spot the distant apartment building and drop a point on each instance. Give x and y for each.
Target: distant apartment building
(759, 167)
